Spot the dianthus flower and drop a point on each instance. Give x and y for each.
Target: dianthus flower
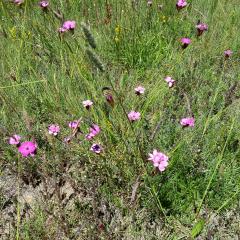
(159, 160)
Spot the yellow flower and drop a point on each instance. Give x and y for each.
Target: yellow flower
(13, 32)
(116, 39)
(164, 18)
(118, 30)
(25, 34)
(109, 124)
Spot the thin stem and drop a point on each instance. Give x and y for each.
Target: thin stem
(18, 196)
(125, 112)
(215, 170)
(153, 190)
(158, 201)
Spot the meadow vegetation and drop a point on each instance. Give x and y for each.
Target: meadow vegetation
(90, 175)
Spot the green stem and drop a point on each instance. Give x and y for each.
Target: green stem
(18, 195)
(153, 190)
(215, 170)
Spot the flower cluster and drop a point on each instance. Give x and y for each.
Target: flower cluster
(158, 159)
(26, 149)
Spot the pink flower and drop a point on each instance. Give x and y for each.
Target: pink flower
(228, 53)
(28, 149)
(18, 2)
(94, 130)
(87, 104)
(67, 140)
(96, 148)
(185, 42)
(73, 124)
(15, 140)
(170, 81)
(69, 25)
(53, 129)
(159, 160)
(187, 122)
(108, 96)
(201, 27)
(134, 116)
(181, 4)
(110, 99)
(139, 90)
(149, 3)
(43, 4)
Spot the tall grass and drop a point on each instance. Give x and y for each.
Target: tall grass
(45, 76)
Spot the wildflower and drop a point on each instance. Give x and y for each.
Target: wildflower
(170, 81)
(96, 148)
(69, 25)
(181, 4)
(187, 122)
(18, 2)
(73, 124)
(15, 140)
(108, 95)
(160, 7)
(134, 116)
(67, 140)
(117, 33)
(44, 4)
(149, 3)
(116, 39)
(164, 18)
(201, 27)
(94, 130)
(110, 100)
(159, 160)
(139, 90)
(118, 29)
(53, 129)
(228, 53)
(28, 149)
(185, 42)
(87, 104)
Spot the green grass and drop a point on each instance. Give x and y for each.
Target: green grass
(45, 78)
